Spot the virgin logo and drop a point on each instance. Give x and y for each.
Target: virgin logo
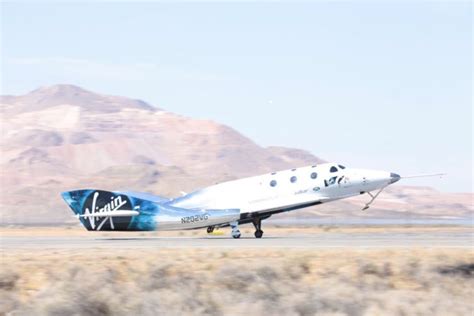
(114, 204)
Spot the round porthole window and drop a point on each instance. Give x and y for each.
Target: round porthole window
(293, 179)
(273, 183)
(314, 175)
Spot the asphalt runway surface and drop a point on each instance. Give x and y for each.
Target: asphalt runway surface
(438, 239)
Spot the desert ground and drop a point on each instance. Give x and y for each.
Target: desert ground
(324, 270)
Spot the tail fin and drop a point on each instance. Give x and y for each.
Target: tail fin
(101, 210)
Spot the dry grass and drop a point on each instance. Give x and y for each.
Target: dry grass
(241, 282)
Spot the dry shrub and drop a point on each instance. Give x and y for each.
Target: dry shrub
(8, 279)
(464, 270)
(210, 282)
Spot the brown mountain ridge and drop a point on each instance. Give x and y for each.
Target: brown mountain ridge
(65, 137)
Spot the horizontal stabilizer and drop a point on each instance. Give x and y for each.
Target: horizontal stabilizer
(118, 213)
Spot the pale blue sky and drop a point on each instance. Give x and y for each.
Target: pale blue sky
(384, 86)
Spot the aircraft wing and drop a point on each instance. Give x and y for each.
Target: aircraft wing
(145, 196)
(263, 214)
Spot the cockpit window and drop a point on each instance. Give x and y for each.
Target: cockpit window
(330, 181)
(342, 167)
(333, 169)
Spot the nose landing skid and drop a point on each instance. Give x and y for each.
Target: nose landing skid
(373, 197)
(235, 229)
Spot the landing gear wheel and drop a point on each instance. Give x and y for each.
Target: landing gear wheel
(210, 229)
(258, 228)
(235, 229)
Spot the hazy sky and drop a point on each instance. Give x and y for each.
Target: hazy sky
(385, 86)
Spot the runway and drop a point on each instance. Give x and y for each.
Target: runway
(438, 239)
